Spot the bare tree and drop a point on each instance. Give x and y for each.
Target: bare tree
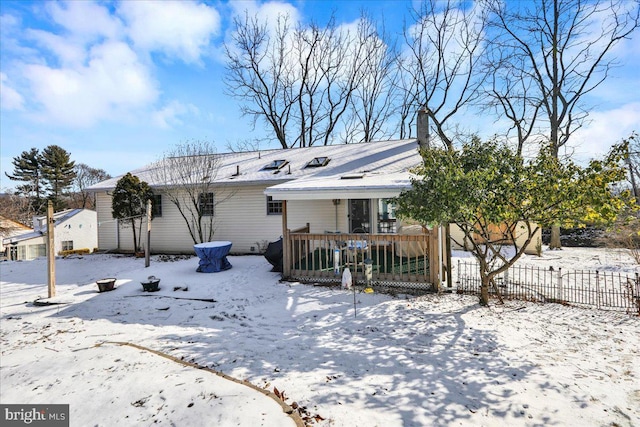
(16, 207)
(552, 53)
(633, 164)
(507, 92)
(407, 88)
(259, 72)
(86, 176)
(373, 100)
(297, 81)
(331, 68)
(187, 175)
(443, 48)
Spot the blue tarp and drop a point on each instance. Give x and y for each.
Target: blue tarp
(213, 256)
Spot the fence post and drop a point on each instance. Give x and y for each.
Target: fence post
(635, 294)
(597, 290)
(560, 295)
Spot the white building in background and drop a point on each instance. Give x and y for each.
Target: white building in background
(73, 229)
(10, 228)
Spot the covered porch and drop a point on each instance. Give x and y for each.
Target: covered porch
(350, 222)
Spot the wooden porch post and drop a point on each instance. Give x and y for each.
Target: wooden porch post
(434, 257)
(286, 249)
(447, 241)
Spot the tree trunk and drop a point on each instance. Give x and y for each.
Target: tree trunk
(135, 237)
(554, 242)
(484, 291)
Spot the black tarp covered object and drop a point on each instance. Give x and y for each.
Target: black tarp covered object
(273, 254)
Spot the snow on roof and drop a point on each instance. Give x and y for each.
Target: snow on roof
(375, 158)
(11, 225)
(58, 217)
(378, 185)
(62, 216)
(22, 237)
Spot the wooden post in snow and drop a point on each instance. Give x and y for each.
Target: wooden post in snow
(447, 241)
(286, 249)
(51, 256)
(147, 249)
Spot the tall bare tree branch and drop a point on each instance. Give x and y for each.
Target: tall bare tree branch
(443, 48)
(547, 56)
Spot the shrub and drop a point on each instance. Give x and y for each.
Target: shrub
(83, 251)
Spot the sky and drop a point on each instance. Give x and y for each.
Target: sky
(123, 87)
(432, 360)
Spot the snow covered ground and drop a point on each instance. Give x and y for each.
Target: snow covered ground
(401, 361)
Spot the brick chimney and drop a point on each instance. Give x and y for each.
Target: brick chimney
(422, 124)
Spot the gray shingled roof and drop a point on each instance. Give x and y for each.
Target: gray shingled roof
(379, 158)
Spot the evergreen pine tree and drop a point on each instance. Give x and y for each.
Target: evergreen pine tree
(129, 202)
(58, 173)
(26, 168)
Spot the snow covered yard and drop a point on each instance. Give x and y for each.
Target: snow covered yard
(403, 361)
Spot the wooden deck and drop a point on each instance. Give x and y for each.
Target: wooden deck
(395, 258)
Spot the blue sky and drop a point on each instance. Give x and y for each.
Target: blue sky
(118, 83)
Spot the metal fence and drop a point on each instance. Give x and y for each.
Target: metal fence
(600, 289)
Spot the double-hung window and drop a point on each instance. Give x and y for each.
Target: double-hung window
(156, 206)
(206, 204)
(274, 207)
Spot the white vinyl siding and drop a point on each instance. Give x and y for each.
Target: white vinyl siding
(320, 214)
(80, 229)
(243, 220)
(107, 226)
(240, 217)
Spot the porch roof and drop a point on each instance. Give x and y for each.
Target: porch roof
(368, 185)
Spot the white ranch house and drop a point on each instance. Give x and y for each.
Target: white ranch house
(322, 192)
(329, 203)
(73, 229)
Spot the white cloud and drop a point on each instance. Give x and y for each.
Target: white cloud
(268, 12)
(604, 129)
(65, 51)
(91, 63)
(169, 114)
(10, 99)
(86, 19)
(113, 83)
(180, 30)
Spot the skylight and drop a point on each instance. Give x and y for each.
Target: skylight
(275, 165)
(318, 162)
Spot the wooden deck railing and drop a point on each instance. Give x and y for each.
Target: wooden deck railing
(394, 257)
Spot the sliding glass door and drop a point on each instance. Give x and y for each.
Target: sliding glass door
(359, 216)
